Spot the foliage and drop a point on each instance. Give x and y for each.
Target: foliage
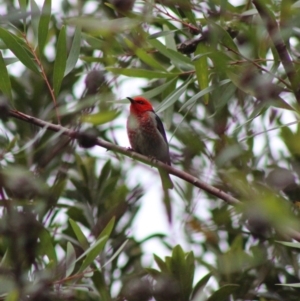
(225, 79)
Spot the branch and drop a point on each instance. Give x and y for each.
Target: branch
(274, 33)
(126, 152)
(129, 153)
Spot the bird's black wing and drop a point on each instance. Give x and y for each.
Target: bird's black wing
(160, 127)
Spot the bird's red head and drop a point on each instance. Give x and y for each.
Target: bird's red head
(139, 105)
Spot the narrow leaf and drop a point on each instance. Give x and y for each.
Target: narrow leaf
(79, 234)
(44, 25)
(108, 229)
(23, 5)
(60, 61)
(223, 36)
(144, 56)
(100, 118)
(223, 293)
(201, 67)
(169, 39)
(173, 55)
(142, 73)
(104, 174)
(160, 89)
(198, 288)
(35, 16)
(161, 264)
(5, 85)
(10, 60)
(47, 246)
(74, 51)
(70, 259)
(173, 97)
(297, 285)
(290, 244)
(192, 100)
(103, 27)
(161, 34)
(92, 252)
(13, 43)
(116, 253)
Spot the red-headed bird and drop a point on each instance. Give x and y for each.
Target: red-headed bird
(147, 135)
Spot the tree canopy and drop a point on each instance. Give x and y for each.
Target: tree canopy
(224, 77)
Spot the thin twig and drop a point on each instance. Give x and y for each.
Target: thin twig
(43, 73)
(191, 26)
(126, 152)
(258, 66)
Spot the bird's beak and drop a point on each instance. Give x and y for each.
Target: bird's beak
(130, 99)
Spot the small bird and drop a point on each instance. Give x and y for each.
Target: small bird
(147, 135)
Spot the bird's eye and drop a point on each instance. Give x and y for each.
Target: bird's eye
(140, 102)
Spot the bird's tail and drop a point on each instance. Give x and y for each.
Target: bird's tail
(165, 180)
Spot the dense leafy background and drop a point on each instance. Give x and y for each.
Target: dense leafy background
(218, 81)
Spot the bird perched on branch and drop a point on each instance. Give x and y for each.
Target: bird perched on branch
(147, 135)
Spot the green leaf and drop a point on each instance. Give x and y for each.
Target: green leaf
(92, 252)
(116, 253)
(141, 73)
(23, 5)
(46, 246)
(100, 118)
(60, 61)
(108, 228)
(92, 41)
(35, 16)
(13, 295)
(10, 60)
(182, 271)
(176, 57)
(144, 56)
(223, 293)
(161, 264)
(190, 270)
(190, 15)
(104, 174)
(161, 34)
(198, 288)
(16, 46)
(5, 85)
(297, 285)
(223, 37)
(100, 284)
(201, 67)
(74, 51)
(193, 99)
(79, 234)
(290, 244)
(103, 27)
(169, 39)
(44, 25)
(291, 139)
(5, 261)
(70, 259)
(160, 89)
(173, 97)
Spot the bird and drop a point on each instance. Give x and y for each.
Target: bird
(147, 135)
